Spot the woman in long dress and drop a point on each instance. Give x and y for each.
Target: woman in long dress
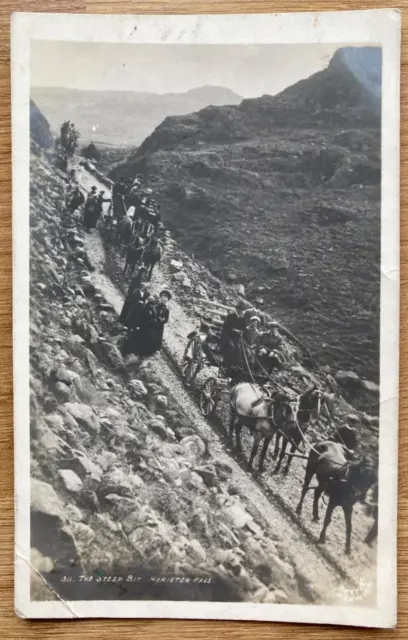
(153, 318)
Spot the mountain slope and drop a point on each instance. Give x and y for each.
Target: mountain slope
(283, 194)
(122, 117)
(40, 130)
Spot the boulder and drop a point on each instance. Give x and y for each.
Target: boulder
(55, 422)
(347, 379)
(71, 481)
(89, 500)
(131, 362)
(139, 518)
(82, 466)
(45, 500)
(118, 482)
(240, 289)
(176, 264)
(73, 514)
(371, 387)
(370, 421)
(193, 447)
(158, 427)
(84, 415)
(63, 392)
(208, 474)
(196, 552)
(170, 468)
(186, 283)
(42, 564)
(254, 553)
(236, 515)
(66, 376)
(39, 589)
(201, 292)
(109, 354)
(138, 390)
(120, 506)
(275, 596)
(162, 401)
(83, 534)
(223, 470)
(84, 329)
(50, 446)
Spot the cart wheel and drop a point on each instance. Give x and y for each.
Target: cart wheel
(209, 397)
(192, 360)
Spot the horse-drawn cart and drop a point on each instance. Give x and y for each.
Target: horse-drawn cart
(203, 349)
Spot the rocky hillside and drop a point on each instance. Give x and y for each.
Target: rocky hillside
(122, 118)
(282, 194)
(40, 129)
(121, 481)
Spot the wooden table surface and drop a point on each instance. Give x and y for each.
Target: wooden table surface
(12, 627)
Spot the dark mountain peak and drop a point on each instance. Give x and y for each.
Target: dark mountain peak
(364, 63)
(350, 86)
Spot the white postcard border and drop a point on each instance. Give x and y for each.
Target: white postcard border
(380, 27)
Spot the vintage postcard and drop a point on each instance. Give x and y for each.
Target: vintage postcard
(206, 315)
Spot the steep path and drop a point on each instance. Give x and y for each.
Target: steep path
(324, 570)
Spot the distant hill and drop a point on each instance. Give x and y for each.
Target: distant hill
(283, 193)
(122, 118)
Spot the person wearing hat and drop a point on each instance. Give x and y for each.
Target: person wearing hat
(251, 336)
(155, 315)
(251, 332)
(254, 311)
(90, 209)
(234, 325)
(77, 200)
(99, 203)
(269, 348)
(136, 296)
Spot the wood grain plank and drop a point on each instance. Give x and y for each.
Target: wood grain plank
(12, 627)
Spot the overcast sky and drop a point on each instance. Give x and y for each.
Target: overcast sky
(248, 70)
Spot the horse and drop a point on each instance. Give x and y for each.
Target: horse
(152, 254)
(344, 479)
(254, 407)
(309, 401)
(123, 231)
(134, 254)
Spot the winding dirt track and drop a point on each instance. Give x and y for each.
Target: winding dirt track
(327, 569)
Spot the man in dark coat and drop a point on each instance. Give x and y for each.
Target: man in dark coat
(77, 200)
(118, 193)
(231, 331)
(90, 210)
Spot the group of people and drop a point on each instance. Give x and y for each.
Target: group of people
(68, 137)
(249, 343)
(93, 208)
(144, 316)
(93, 204)
(130, 194)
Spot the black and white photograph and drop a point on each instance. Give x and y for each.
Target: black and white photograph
(206, 277)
